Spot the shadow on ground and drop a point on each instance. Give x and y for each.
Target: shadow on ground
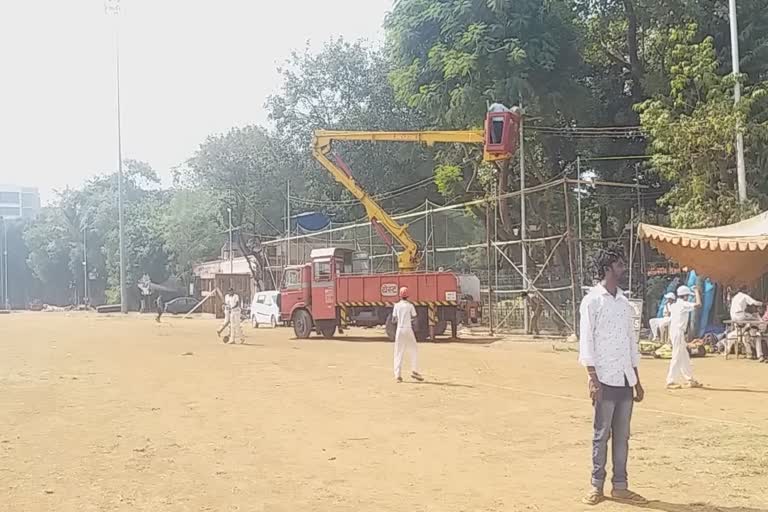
(664, 506)
(384, 339)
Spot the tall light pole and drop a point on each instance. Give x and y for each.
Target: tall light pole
(5, 265)
(113, 7)
(85, 265)
(741, 172)
(231, 261)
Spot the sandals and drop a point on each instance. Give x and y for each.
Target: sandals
(627, 496)
(417, 376)
(594, 497)
(695, 384)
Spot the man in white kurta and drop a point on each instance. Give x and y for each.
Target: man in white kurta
(658, 325)
(680, 365)
(232, 306)
(403, 314)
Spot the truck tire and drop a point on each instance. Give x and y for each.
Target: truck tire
(302, 324)
(390, 328)
(440, 327)
(327, 328)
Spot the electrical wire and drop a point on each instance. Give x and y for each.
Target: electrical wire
(378, 197)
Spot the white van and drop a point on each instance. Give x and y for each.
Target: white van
(265, 308)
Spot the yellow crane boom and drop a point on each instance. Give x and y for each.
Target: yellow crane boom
(410, 257)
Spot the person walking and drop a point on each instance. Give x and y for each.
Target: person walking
(232, 303)
(403, 314)
(160, 305)
(679, 318)
(609, 351)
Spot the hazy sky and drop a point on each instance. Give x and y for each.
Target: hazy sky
(189, 68)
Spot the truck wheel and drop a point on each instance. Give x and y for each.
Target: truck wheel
(328, 331)
(302, 324)
(390, 328)
(440, 327)
(273, 322)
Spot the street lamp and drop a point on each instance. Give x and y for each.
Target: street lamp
(113, 7)
(741, 173)
(231, 261)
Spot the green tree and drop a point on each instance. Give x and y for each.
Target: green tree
(191, 229)
(345, 86)
(692, 130)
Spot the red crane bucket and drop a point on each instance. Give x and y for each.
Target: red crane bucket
(502, 133)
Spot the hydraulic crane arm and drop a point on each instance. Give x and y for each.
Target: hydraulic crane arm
(410, 257)
(408, 260)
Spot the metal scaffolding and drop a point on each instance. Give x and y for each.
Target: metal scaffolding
(544, 258)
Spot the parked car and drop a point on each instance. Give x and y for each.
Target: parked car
(180, 305)
(265, 308)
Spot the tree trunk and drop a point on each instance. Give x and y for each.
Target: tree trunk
(636, 66)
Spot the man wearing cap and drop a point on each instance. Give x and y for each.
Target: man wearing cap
(681, 310)
(658, 325)
(403, 315)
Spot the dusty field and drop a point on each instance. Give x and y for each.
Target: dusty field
(107, 413)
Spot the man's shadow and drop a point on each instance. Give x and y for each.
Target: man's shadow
(664, 506)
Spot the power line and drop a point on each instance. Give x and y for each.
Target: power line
(379, 197)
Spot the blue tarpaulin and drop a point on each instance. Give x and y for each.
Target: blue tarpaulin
(311, 221)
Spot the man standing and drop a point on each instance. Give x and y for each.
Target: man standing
(232, 317)
(680, 365)
(609, 351)
(160, 305)
(658, 325)
(535, 307)
(403, 314)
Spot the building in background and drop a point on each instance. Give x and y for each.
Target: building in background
(19, 202)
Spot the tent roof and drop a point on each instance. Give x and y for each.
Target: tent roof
(732, 254)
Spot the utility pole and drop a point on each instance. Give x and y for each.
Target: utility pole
(526, 319)
(288, 222)
(489, 255)
(113, 7)
(741, 172)
(85, 265)
(5, 264)
(231, 260)
(578, 207)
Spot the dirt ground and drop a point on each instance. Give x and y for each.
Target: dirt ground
(103, 413)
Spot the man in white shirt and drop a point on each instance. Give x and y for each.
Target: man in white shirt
(739, 313)
(609, 351)
(232, 313)
(403, 314)
(658, 325)
(680, 365)
(739, 305)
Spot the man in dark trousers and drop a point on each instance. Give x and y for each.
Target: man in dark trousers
(160, 303)
(609, 351)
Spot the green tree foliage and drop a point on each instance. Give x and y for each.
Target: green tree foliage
(345, 86)
(55, 238)
(692, 134)
(191, 229)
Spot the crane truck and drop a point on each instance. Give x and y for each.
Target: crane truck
(333, 291)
